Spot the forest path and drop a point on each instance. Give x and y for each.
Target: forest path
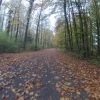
(47, 75)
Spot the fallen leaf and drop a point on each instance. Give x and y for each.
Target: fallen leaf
(31, 93)
(26, 91)
(78, 92)
(21, 98)
(67, 83)
(62, 98)
(14, 90)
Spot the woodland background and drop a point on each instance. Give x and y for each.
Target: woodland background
(26, 26)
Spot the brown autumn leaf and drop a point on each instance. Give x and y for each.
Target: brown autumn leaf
(26, 91)
(62, 98)
(14, 90)
(20, 98)
(17, 95)
(39, 84)
(31, 93)
(5, 97)
(62, 93)
(78, 93)
(67, 83)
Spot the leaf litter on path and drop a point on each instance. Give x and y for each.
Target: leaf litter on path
(46, 75)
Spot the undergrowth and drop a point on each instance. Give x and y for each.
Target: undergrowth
(95, 60)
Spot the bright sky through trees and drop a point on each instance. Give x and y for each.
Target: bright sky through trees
(47, 11)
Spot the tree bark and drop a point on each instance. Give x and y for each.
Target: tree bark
(81, 27)
(67, 25)
(75, 29)
(97, 25)
(27, 24)
(37, 29)
(9, 22)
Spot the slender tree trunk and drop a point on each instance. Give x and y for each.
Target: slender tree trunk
(17, 32)
(65, 38)
(91, 38)
(97, 25)
(70, 27)
(37, 29)
(9, 22)
(17, 28)
(86, 34)
(0, 2)
(27, 24)
(81, 27)
(2, 22)
(12, 26)
(75, 29)
(67, 25)
(17, 23)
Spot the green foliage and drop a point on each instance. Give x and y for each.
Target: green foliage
(39, 47)
(62, 50)
(30, 46)
(94, 61)
(7, 44)
(60, 39)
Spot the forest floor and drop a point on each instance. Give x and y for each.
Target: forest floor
(47, 75)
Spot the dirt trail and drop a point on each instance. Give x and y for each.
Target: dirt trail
(47, 75)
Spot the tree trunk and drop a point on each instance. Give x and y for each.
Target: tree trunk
(91, 38)
(81, 27)
(0, 2)
(65, 38)
(67, 25)
(9, 22)
(97, 25)
(27, 24)
(86, 34)
(17, 28)
(37, 29)
(2, 22)
(75, 29)
(70, 27)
